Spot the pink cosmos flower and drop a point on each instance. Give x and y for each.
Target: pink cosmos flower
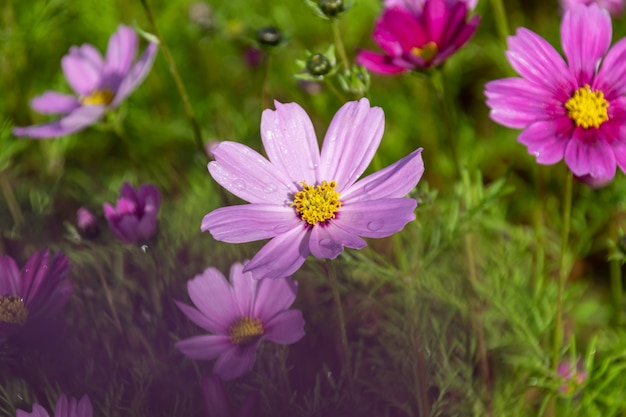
(573, 376)
(309, 202)
(217, 403)
(66, 407)
(99, 84)
(240, 314)
(615, 7)
(575, 110)
(40, 290)
(419, 34)
(134, 218)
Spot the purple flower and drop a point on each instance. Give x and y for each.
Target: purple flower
(218, 405)
(134, 219)
(307, 202)
(87, 223)
(240, 315)
(40, 290)
(615, 7)
(66, 407)
(573, 376)
(99, 84)
(575, 110)
(419, 34)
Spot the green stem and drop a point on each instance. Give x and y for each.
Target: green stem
(9, 197)
(177, 80)
(437, 82)
(501, 20)
(615, 268)
(339, 43)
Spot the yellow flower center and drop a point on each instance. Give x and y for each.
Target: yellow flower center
(317, 204)
(12, 310)
(587, 108)
(426, 52)
(246, 330)
(102, 97)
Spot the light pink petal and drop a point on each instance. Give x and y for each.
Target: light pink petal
(281, 256)
(611, 78)
(82, 74)
(377, 218)
(249, 222)
(211, 294)
(378, 63)
(351, 142)
(75, 121)
(206, 322)
(290, 142)
(396, 180)
(9, 276)
(84, 407)
(121, 50)
(38, 411)
(537, 61)
(135, 76)
(586, 35)
(285, 328)
(235, 362)
(63, 406)
(251, 177)
(244, 290)
(53, 102)
(327, 242)
(274, 296)
(205, 347)
(546, 140)
(589, 154)
(91, 54)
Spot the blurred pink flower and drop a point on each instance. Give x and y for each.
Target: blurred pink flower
(615, 7)
(134, 218)
(309, 202)
(99, 84)
(87, 223)
(576, 110)
(41, 289)
(418, 34)
(217, 403)
(573, 376)
(66, 407)
(240, 314)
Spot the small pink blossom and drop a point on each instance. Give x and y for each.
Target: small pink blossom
(66, 407)
(134, 218)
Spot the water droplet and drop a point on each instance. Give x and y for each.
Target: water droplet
(270, 188)
(375, 225)
(328, 243)
(313, 166)
(27, 270)
(144, 248)
(239, 184)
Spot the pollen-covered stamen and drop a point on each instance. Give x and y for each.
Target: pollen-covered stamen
(246, 330)
(426, 52)
(587, 108)
(317, 204)
(102, 97)
(13, 310)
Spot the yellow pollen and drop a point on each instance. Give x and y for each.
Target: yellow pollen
(12, 310)
(102, 97)
(587, 108)
(246, 330)
(427, 52)
(317, 204)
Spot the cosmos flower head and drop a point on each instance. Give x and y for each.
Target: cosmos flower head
(574, 110)
(615, 7)
(419, 34)
(99, 84)
(134, 218)
(239, 314)
(309, 202)
(41, 289)
(66, 407)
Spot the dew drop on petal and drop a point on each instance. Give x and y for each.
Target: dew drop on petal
(239, 184)
(328, 243)
(375, 225)
(270, 188)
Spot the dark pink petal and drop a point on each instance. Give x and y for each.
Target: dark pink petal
(589, 154)
(281, 256)
(205, 347)
(537, 61)
(53, 102)
(387, 40)
(402, 25)
(586, 35)
(396, 180)
(290, 143)
(274, 296)
(128, 192)
(215, 397)
(208, 323)
(454, 40)
(546, 140)
(377, 218)
(285, 328)
(611, 78)
(135, 76)
(82, 74)
(379, 63)
(436, 18)
(327, 242)
(212, 295)
(351, 142)
(121, 50)
(9, 277)
(248, 175)
(235, 362)
(38, 411)
(249, 222)
(63, 406)
(244, 289)
(619, 150)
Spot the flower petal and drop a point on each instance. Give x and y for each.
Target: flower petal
(281, 256)
(248, 175)
(75, 121)
(328, 241)
(235, 362)
(208, 323)
(244, 289)
(379, 63)
(249, 222)
(9, 276)
(135, 76)
(401, 25)
(38, 411)
(546, 140)
(121, 50)
(212, 295)
(436, 18)
(611, 78)
(82, 74)
(285, 328)
(84, 407)
(351, 142)
(290, 142)
(274, 296)
(215, 397)
(53, 102)
(377, 218)
(205, 347)
(588, 153)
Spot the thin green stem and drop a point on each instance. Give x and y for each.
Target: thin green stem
(501, 20)
(177, 80)
(615, 268)
(334, 285)
(563, 271)
(339, 44)
(437, 82)
(11, 201)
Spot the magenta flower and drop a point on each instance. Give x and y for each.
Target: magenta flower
(240, 315)
(100, 84)
(615, 7)
(307, 202)
(573, 376)
(217, 403)
(417, 34)
(575, 110)
(134, 218)
(40, 290)
(66, 407)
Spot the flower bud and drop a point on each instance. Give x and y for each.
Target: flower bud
(318, 64)
(87, 223)
(331, 8)
(269, 36)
